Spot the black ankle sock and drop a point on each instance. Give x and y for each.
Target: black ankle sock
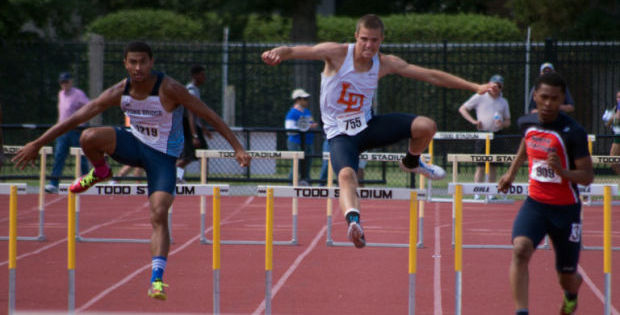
(352, 216)
(411, 161)
(570, 296)
(522, 312)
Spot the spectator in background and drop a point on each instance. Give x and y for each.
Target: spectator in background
(492, 115)
(614, 123)
(193, 129)
(70, 99)
(300, 118)
(569, 103)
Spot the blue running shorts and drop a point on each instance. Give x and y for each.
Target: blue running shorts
(160, 167)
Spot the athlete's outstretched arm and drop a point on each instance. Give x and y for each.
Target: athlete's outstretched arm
(583, 173)
(506, 180)
(393, 64)
(110, 97)
(175, 92)
(322, 51)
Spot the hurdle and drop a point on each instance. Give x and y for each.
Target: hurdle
(515, 190)
(12, 190)
(124, 190)
(377, 157)
(305, 192)
(43, 152)
(458, 189)
(366, 193)
(204, 155)
(486, 136)
(187, 190)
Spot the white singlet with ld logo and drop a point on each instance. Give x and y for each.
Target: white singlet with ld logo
(346, 97)
(542, 172)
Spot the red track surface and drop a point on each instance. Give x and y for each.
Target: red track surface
(310, 278)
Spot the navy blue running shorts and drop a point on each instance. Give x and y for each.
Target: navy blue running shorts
(382, 130)
(160, 167)
(561, 223)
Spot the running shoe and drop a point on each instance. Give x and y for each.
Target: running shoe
(51, 189)
(86, 181)
(156, 290)
(431, 171)
(356, 234)
(568, 307)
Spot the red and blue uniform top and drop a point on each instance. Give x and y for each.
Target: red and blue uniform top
(568, 140)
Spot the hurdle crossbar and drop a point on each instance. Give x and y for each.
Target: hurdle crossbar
(124, 190)
(366, 193)
(295, 156)
(43, 152)
(458, 189)
(12, 190)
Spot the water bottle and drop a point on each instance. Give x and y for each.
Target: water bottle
(497, 121)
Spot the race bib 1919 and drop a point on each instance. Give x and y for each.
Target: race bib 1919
(146, 132)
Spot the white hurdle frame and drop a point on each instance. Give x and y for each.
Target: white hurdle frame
(377, 157)
(123, 190)
(458, 189)
(43, 152)
(204, 155)
(270, 192)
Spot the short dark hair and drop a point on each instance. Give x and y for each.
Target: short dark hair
(196, 69)
(551, 79)
(370, 21)
(138, 46)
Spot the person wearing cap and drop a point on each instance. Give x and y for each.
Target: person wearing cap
(193, 130)
(70, 99)
(299, 118)
(492, 115)
(569, 103)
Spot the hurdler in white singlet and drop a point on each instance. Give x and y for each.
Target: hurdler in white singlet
(346, 97)
(152, 124)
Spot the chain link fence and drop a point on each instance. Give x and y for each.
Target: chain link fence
(256, 97)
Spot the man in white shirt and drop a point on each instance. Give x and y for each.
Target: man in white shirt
(492, 115)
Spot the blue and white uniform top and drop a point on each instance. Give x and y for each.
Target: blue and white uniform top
(346, 97)
(151, 123)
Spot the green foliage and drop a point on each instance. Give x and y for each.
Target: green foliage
(146, 24)
(568, 19)
(398, 28)
(273, 28)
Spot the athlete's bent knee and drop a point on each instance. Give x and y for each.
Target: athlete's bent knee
(347, 174)
(522, 251)
(423, 124)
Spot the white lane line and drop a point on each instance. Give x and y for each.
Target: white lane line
(23, 212)
(437, 264)
(595, 289)
(135, 273)
(292, 269)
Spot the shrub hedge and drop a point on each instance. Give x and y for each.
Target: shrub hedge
(399, 28)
